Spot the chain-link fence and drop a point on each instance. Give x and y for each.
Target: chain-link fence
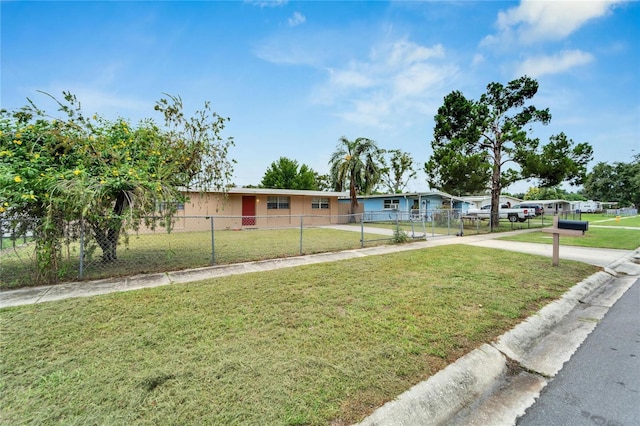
(200, 241)
(84, 252)
(627, 211)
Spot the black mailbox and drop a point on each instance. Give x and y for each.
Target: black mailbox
(577, 225)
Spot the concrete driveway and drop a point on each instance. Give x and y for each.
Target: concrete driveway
(594, 256)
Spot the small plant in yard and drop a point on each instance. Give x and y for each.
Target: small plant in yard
(399, 236)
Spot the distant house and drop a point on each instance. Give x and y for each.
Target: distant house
(389, 206)
(554, 206)
(244, 208)
(480, 201)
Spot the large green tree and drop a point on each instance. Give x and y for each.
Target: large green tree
(476, 143)
(397, 170)
(287, 174)
(356, 165)
(551, 193)
(619, 182)
(324, 182)
(109, 174)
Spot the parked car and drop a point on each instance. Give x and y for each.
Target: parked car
(488, 207)
(539, 209)
(505, 212)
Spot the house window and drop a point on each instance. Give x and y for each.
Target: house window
(279, 203)
(320, 203)
(163, 206)
(391, 204)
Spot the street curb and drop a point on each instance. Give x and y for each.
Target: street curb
(520, 342)
(439, 398)
(496, 383)
(626, 265)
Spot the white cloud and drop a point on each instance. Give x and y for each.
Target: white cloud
(419, 78)
(535, 20)
(267, 3)
(349, 79)
(555, 64)
(477, 59)
(404, 53)
(283, 51)
(397, 80)
(297, 19)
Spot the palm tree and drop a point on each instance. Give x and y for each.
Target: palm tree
(357, 162)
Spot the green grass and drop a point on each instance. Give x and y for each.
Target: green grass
(160, 252)
(624, 239)
(9, 243)
(319, 344)
(604, 220)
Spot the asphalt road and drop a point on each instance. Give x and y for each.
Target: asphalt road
(600, 384)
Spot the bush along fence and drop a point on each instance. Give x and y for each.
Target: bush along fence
(201, 241)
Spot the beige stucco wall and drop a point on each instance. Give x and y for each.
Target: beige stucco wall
(227, 212)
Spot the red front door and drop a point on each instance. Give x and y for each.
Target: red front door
(248, 210)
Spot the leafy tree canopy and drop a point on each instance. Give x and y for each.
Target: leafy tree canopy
(324, 182)
(619, 182)
(286, 174)
(355, 164)
(397, 170)
(552, 193)
(475, 142)
(110, 173)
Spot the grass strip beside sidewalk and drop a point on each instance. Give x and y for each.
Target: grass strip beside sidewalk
(622, 239)
(318, 344)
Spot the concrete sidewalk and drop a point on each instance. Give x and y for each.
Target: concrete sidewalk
(594, 256)
(30, 295)
(47, 293)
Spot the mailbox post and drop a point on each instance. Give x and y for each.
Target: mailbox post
(574, 228)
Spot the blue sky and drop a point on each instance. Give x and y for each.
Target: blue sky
(296, 76)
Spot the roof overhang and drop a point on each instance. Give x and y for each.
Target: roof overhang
(268, 191)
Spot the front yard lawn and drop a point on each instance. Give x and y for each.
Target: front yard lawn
(320, 344)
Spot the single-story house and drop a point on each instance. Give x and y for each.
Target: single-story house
(389, 206)
(553, 206)
(480, 201)
(242, 208)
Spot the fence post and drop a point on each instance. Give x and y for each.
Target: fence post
(413, 231)
(213, 245)
(433, 225)
(1, 234)
(81, 271)
(301, 220)
(424, 227)
(362, 230)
